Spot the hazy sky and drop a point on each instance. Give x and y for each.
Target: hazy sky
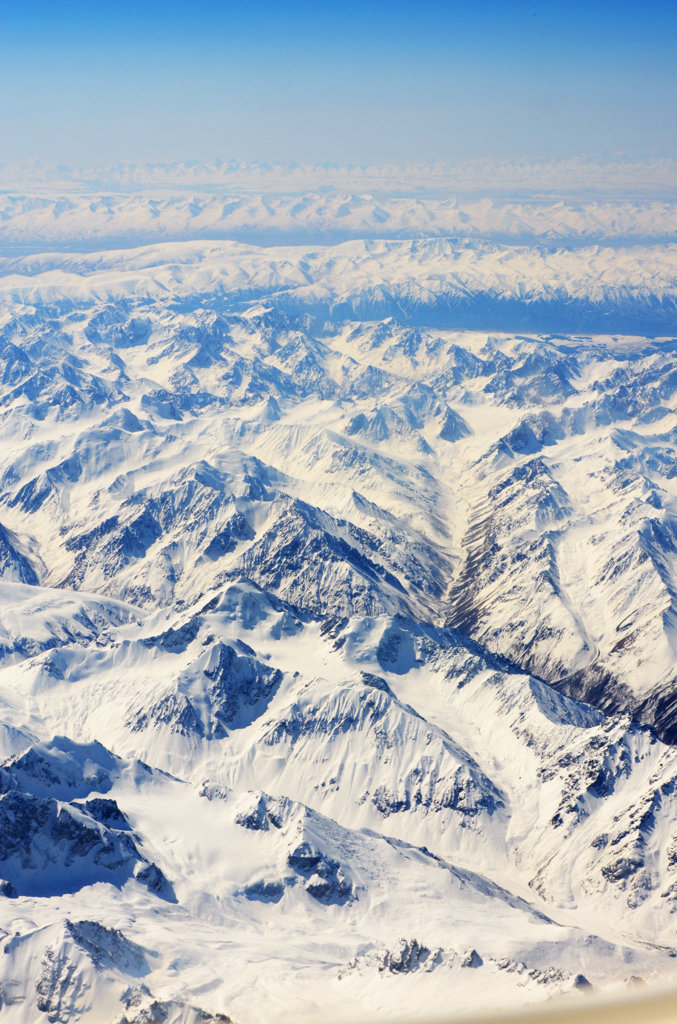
(84, 82)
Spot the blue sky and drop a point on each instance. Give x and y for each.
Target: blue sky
(346, 82)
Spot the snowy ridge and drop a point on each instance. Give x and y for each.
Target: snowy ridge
(338, 608)
(55, 219)
(436, 282)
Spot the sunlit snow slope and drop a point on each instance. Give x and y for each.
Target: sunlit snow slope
(338, 620)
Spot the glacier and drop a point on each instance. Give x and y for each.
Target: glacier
(338, 591)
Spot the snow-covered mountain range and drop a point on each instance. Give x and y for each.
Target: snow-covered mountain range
(54, 218)
(573, 202)
(576, 176)
(338, 614)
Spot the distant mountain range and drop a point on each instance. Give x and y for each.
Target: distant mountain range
(574, 176)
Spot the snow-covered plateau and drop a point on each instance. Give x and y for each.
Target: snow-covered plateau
(338, 603)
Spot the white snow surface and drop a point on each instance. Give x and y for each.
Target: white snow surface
(338, 606)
